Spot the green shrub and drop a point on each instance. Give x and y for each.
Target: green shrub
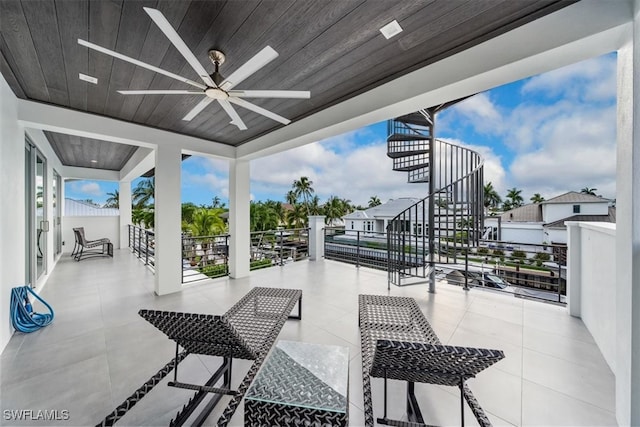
(262, 263)
(518, 255)
(482, 251)
(216, 270)
(498, 253)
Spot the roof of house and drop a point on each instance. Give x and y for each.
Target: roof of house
(610, 217)
(575, 197)
(526, 213)
(386, 210)
(77, 208)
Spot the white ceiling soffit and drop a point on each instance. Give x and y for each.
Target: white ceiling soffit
(584, 30)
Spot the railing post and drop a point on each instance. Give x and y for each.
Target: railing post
(146, 247)
(466, 268)
(358, 249)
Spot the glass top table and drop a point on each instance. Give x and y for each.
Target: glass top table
(311, 377)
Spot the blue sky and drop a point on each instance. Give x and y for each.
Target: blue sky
(546, 134)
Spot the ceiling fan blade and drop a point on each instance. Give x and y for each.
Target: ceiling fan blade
(235, 118)
(258, 61)
(139, 63)
(177, 41)
(197, 109)
(259, 110)
(161, 92)
(302, 94)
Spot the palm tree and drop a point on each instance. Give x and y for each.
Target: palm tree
(491, 197)
(303, 188)
(217, 203)
(296, 217)
(314, 206)
(291, 197)
(263, 216)
(144, 192)
(113, 201)
(537, 198)
(206, 222)
(374, 201)
(333, 209)
(514, 197)
(590, 191)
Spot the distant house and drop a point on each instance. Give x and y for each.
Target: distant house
(539, 223)
(78, 208)
(375, 219)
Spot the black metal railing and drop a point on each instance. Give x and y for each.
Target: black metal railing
(526, 270)
(204, 257)
(357, 247)
(278, 247)
(142, 244)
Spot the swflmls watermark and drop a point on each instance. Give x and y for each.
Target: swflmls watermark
(36, 415)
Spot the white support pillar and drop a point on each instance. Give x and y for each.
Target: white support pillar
(124, 205)
(574, 268)
(168, 244)
(239, 223)
(628, 229)
(316, 237)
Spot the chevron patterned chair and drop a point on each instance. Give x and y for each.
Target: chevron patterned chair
(246, 331)
(398, 343)
(90, 248)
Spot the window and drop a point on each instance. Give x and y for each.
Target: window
(576, 209)
(352, 225)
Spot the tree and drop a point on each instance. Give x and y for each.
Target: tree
(291, 197)
(374, 201)
(515, 197)
(303, 188)
(537, 198)
(144, 192)
(296, 217)
(217, 203)
(334, 209)
(590, 191)
(207, 222)
(263, 216)
(314, 206)
(491, 197)
(113, 201)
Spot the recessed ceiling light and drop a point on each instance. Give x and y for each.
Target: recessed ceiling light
(391, 29)
(89, 79)
(94, 161)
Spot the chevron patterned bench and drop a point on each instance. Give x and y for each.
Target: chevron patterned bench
(398, 343)
(246, 331)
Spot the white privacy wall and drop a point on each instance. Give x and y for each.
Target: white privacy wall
(592, 282)
(95, 227)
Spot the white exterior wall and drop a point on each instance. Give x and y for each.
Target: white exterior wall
(555, 235)
(95, 227)
(591, 282)
(522, 233)
(628, 226)
(12, 221)
(554, 211)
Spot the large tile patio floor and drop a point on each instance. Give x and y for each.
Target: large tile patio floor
(98, 350)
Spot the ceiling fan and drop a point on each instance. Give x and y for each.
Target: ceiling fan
(215, 87)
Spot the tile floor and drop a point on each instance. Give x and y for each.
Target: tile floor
(98, 350)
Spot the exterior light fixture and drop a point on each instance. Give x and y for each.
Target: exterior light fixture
(391, 29)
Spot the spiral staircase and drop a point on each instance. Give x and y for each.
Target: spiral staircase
(442, 227)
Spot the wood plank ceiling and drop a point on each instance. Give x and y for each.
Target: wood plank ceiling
(332, 48)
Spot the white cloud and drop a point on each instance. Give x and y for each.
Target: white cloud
(89, 188)
(593, 80)
(481, 113)
(575, 150)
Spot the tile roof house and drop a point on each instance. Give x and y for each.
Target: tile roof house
(544, 222)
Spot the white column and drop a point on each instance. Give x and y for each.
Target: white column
(239, 224)
(316, 237)
(168, 244)
(628, 230)
(124, 204)
(574, 268)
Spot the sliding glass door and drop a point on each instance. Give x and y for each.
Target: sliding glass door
(37, 226)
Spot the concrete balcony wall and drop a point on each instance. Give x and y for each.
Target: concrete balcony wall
(592, 283)
(95, 227)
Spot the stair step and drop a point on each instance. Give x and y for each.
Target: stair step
(414, 119)
(407, 137)
(401, 154)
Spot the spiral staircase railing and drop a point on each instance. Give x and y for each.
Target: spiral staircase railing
(443, 226)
